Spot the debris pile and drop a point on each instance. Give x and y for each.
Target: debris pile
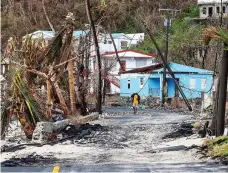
(43, 80)
(29, 160)
(47, 133)
(182, 130)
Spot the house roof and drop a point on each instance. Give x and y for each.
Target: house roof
(174, 67)
(136, 36)
(183, 68)
(146, 69)
(210, 1)
(129, 53)
(50, 34)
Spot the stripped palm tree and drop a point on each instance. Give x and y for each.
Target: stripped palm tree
(35, 63)
(219, 34)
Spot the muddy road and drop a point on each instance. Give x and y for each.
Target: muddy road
(126, 143)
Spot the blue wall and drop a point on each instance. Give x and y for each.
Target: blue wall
(134, 85)
(171, 87)
(184, 82)
(155, 81)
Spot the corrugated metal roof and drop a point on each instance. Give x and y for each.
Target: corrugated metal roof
(147, 69)
(211, 1)
(174, 67)
(129, 53)
(50, 34)
(118, 34)
(183, 68)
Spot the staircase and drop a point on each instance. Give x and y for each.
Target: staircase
(112, 79)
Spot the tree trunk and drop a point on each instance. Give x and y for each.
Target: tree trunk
(99, 92)
(49, 97)
(46, 15)
(223, 73)
(114, 45)
(60, 96)
(71, 87)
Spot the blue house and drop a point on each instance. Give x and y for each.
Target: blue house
(147, 81)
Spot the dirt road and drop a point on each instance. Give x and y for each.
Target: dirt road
(128, 143)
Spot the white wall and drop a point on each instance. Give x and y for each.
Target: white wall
(131, 39)
(214, 6)
(130, 64)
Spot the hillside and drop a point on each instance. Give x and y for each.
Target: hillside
(24, 16)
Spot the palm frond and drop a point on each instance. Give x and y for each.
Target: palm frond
(34, 112)
(219, 34)
(54, 49)
(5, 117)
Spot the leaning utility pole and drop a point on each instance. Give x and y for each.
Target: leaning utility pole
(167, 66)
(223, 74)
(164, 82)
(167, 23)
(99, 92)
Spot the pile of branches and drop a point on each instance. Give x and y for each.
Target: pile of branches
(44, 76)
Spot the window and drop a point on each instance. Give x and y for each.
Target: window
(128, 83)
(192, 84)
(218, 9)
(140, 63)
(224, 9)
(203, 84)
(204, 10)
(141, 82)
(109, 42)
(123, 44)
(105, 41)
(210, 11)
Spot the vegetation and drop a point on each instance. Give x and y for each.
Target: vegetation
(20, 17)
(35, 64)
(218, 147)
(186, 43)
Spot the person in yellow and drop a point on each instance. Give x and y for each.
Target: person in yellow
(135, 100)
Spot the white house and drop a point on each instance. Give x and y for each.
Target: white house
(130, 59)
(212, 8)
(122, 41)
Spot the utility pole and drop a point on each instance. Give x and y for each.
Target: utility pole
(164, 82)
(214, 123)
(223, 74)
(167, 66)
(167, 24)
(221, 18)
(99, 92)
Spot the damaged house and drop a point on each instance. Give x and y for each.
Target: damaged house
(130, 59)
(213, 8)
(147, 81)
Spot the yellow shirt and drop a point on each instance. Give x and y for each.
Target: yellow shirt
(135, 100)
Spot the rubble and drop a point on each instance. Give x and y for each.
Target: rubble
(30, 160)
(182, 130)
(42, 131)
(58, 126)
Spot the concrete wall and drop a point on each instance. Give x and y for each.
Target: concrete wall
(134, 84)
(214, 7)
(186, 81)
(106, 45)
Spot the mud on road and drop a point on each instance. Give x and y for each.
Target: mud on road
(124, 138)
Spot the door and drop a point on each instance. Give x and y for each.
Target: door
(176, 89)
(210, 11)
(123, 65)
